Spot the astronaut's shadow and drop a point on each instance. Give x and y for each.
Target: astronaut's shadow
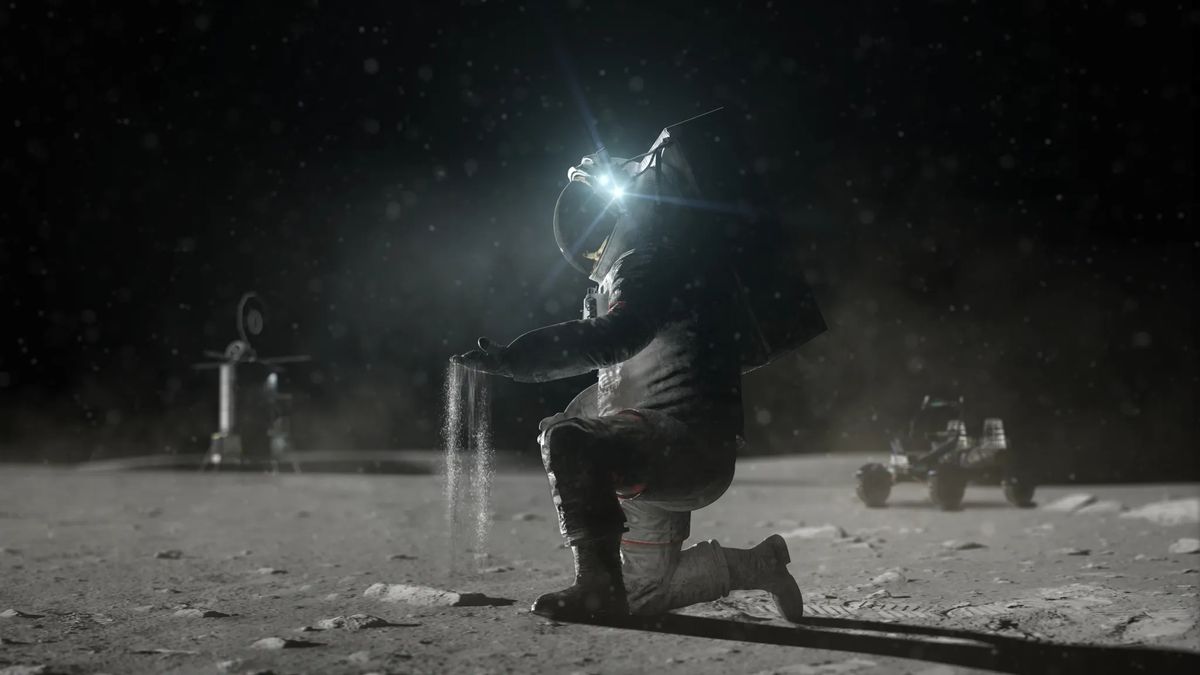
(963, 648)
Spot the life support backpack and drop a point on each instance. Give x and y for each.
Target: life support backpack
(693, 186)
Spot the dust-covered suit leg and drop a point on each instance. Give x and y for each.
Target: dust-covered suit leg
(581, 456)
(646, 463)
(660, 575)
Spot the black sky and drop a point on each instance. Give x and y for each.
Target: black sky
(998, 198)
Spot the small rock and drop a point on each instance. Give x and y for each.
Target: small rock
(327, 624)
(957, 545)
(362, 621)
(827, 531)
(1070, 503)
(1102, 507)
(525, 517)
(169, 554)
(401, 556)
(331, 623)
(999, 580)
(881, 593)
(18, 614)
(422, 595)
(1169, 512)
(359, 657)
(166, 652)
(1071, 550)
(269, 570)
(352, 622)
(496, 570)
(231, 664)
(1185, 545)
(890, 577)
(197, 613)
(282, 643)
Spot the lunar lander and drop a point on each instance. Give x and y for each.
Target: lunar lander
(262, 416)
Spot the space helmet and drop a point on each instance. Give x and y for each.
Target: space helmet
(584, 217)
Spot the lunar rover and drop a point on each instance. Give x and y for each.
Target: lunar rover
(938, 451)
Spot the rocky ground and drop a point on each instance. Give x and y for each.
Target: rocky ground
(155, 572)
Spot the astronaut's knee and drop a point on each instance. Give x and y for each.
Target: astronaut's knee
(563, 447)
(565, 435)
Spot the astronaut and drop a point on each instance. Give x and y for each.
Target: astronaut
(657, 435)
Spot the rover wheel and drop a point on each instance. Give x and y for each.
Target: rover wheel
(873, 484)
(947, 485)
(1019, 492)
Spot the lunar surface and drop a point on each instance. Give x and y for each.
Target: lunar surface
(188, 572)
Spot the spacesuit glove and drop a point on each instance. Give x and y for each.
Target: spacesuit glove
(489, 358)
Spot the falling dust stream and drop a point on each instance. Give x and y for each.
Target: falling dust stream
(466, 436)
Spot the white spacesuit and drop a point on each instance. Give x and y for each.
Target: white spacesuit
(656, 437)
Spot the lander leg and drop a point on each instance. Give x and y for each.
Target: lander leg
(226, 444)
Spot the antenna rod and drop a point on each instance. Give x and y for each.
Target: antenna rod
(696, 117)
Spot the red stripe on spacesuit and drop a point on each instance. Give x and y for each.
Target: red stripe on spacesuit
(631, 491)
(616, 305)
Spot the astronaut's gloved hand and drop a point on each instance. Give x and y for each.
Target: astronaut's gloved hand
(489, 358)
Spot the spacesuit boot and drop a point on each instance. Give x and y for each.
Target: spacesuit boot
(764, 568)
(598, 591)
